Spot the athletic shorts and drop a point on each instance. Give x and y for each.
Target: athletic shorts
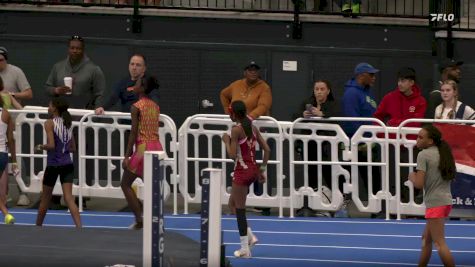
(3, 161)
(65, 173)
(438, 212)
(136, 160)
(246, 176)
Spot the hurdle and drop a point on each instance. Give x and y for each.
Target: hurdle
(153, 231)
(211, 238)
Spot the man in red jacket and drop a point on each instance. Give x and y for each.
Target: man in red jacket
(404, 102)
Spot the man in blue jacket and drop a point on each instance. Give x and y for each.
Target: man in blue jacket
(358, 100)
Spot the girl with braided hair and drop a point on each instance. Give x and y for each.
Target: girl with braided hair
(434, 173)
(451, 108)
(241, 146)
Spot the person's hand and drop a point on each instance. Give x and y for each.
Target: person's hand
(316, 111)
(125, 163)
(62, 90)
(15, 169)
(39, 147)
(262, 178)
(307, 114)
(99, 111)
(226, 138)
(412, 177)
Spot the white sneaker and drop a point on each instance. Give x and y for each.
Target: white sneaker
(23, 200)
(252, 240)
(242, 253)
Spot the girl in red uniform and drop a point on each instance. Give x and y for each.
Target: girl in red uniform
(241, 146)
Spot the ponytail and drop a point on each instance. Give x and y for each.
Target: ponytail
(67, 120)
(238, 108)
(62, 106)
(247, 126)
(446, 163)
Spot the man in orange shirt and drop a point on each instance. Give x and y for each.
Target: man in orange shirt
(254, 92)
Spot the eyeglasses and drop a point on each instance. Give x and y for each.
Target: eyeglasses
(77, 37)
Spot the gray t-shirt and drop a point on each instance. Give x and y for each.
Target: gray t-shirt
(14, 80)
(89, 82)
(437, 190)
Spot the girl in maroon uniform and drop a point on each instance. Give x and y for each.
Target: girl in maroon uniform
(241, 146)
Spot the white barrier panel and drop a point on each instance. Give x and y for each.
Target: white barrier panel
(333, 135)
(365, 135)
(201, 147)
(167, 132)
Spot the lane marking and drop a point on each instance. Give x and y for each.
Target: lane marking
(343, 261)
(327, 233)
(346, 247)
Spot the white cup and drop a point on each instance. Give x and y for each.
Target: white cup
(68, 81)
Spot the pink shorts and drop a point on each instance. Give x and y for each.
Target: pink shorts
(246, 176)
(438, 212)
(136, 160)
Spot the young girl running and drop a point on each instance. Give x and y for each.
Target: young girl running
(60, 143)
(6, 139)
(144, 134)
(241, 146)
(434, 172)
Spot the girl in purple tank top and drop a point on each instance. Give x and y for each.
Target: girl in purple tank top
(60, 143)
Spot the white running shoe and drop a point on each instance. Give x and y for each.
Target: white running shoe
(242, 253)
(252, 240)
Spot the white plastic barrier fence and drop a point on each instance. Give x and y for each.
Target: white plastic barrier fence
(201, 147)
(366, 135)
(108, 124)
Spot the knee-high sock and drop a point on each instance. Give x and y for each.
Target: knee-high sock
(241, 221)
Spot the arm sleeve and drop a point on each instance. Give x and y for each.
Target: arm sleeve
(22, 82)
(51, 82)
(351, 108)
(331, 110)
(225, 96)
(264, 104)
(469, 113)
(380, 112)
(98, 87)
(421, 161)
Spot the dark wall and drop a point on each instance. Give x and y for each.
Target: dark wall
(195, 58)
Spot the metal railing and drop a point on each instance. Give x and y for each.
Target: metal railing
(441, 13)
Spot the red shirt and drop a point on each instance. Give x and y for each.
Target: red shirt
(397, 107)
